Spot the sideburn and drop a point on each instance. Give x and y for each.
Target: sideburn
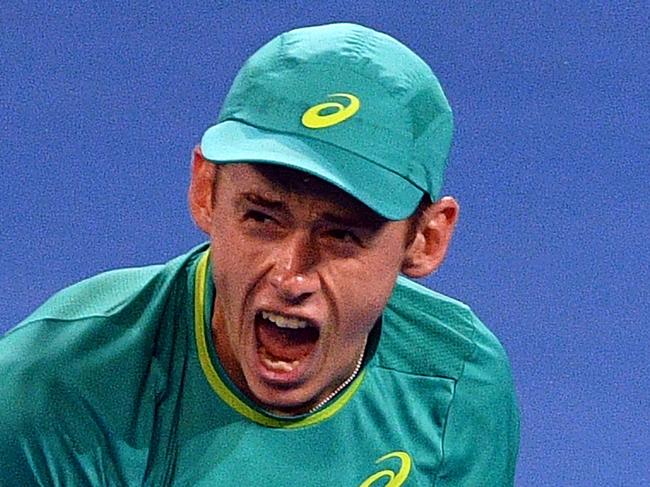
(415, 218)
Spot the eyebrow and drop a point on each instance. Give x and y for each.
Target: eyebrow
(365, 223)
(264, 202)
(369, 222)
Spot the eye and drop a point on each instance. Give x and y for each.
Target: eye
(344, 236)
(258, 216)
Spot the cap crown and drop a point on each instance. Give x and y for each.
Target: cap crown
(352, 87)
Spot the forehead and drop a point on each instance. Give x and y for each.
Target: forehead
(282, 183)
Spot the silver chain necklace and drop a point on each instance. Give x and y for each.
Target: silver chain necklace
(342, 386)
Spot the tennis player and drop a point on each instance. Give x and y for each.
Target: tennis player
(291, 348)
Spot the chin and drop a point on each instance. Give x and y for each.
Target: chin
(283, 401)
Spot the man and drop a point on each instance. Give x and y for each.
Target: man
(288, 350)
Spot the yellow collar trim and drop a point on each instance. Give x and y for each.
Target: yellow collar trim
(222, 389)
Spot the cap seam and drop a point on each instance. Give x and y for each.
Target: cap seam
(411, 162)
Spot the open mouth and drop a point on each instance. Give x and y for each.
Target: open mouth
(284, 341)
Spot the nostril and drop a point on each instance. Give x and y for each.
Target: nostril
(294, 288)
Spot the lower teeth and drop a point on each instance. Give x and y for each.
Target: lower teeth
(275, 364)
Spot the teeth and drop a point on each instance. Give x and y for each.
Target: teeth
(277, 365)
(283, 321)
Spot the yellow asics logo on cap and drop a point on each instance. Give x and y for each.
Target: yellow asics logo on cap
(313, 119)
(390, 478)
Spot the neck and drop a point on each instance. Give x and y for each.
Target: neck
(341, 386)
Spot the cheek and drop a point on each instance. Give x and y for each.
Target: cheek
(228, 276)
(364, 294)
(237, 267)
(229, 252)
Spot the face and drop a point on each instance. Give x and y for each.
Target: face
(302, 273)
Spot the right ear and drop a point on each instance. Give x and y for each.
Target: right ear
(201, 192)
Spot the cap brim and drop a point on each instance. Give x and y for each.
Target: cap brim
(385, 192)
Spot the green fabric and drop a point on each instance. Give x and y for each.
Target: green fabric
(392, 125)
(102, 386)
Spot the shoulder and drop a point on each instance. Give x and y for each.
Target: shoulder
(107, 294)
(427, 333)
(108, 317)
(93, 356)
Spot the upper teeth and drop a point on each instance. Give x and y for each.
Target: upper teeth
(284, 321)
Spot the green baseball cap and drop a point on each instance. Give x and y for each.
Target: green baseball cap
(345, 103)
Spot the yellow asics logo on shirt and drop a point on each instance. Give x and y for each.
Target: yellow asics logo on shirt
(313, 119)
(389, 477)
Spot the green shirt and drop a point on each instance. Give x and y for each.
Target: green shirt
(114, 381)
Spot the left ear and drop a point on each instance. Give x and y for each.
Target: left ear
(434, 229)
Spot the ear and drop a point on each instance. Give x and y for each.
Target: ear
(201, 192)
(434, 230)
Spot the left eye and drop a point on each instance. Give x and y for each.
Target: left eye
(343, 235)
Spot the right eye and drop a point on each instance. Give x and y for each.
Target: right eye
(258, 216)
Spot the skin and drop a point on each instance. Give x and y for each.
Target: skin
(285, 242)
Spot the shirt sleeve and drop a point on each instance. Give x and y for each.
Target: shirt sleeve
(481, 437)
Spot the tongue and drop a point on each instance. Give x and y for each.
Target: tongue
(285, 343)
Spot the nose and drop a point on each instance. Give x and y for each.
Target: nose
(293, 273)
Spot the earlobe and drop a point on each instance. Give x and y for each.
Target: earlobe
(434, 230)
(200, 195)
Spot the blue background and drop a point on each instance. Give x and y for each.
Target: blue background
(101, 106)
